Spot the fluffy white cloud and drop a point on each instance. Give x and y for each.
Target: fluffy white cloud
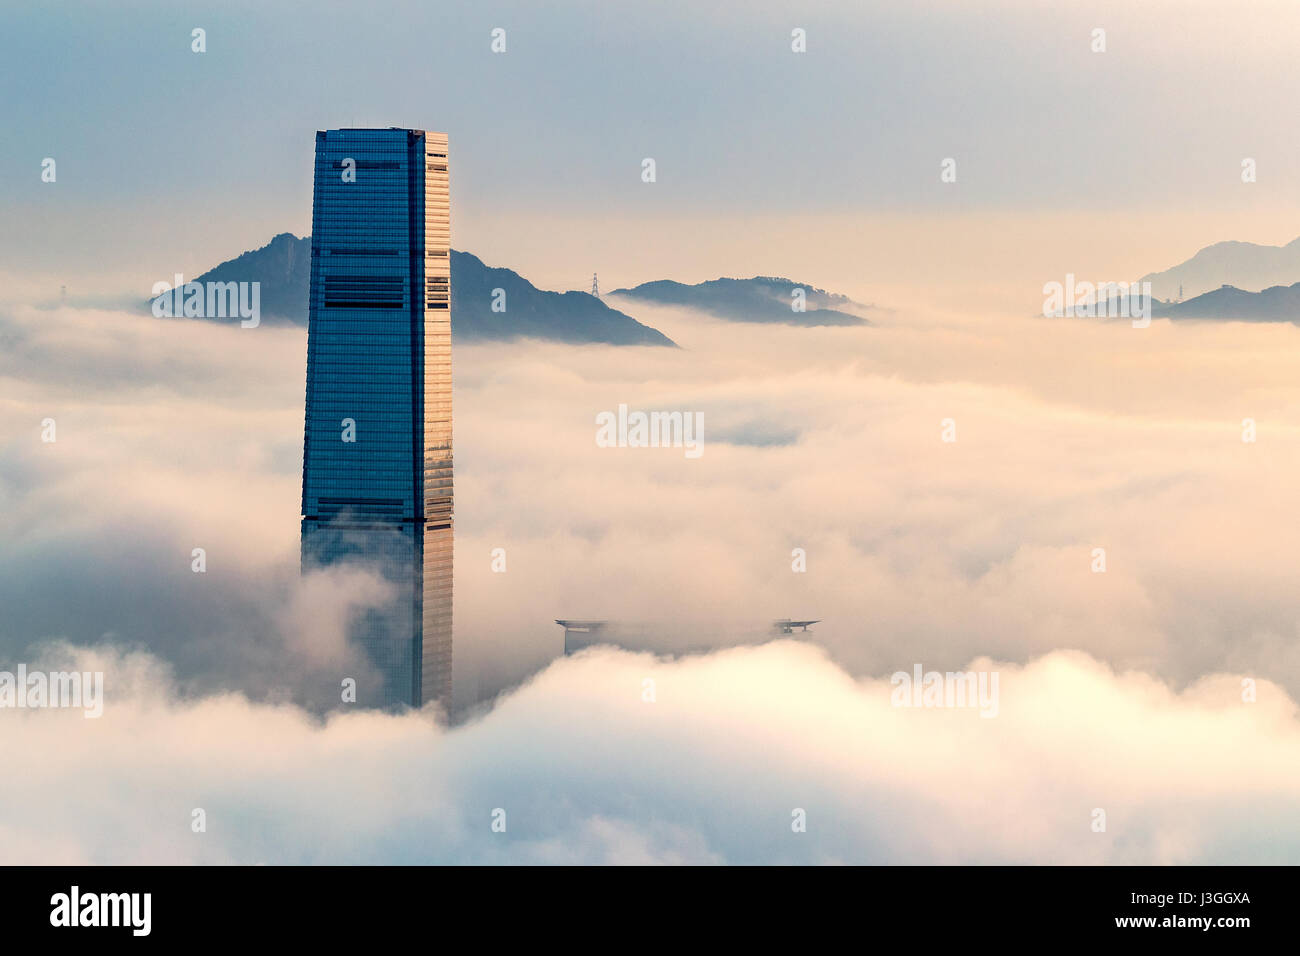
(586, 770)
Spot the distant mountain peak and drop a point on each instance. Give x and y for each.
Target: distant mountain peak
(1275, 304)
(283, 268)
(1246, 265)
(767, 299)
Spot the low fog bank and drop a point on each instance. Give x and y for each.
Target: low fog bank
(825, 490)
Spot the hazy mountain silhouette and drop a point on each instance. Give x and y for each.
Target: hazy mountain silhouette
(1228, 303)
(283, 267)
(1128, 305)
(1276, 304)
(535, 313)
(1246, 265)
(760, 299)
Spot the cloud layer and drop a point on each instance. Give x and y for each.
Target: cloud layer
(580, 766)
(1120, 690)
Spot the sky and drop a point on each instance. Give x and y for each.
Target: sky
(822, 165)
(1159, 688)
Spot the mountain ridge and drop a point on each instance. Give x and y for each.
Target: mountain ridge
(283, 268)
(1279, 303)
(1227, 303)
(1248, 266)
(758, 299)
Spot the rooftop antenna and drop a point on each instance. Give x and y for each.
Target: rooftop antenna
(595, 286)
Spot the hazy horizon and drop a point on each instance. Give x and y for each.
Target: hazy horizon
(1102, 165)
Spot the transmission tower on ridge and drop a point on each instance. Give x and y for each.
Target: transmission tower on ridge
(595, 286)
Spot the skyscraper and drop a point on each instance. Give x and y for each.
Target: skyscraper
(377, 458)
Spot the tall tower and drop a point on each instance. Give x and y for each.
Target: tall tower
(377, 445)
(595, 286)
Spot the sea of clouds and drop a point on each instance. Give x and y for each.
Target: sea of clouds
(1119, 691)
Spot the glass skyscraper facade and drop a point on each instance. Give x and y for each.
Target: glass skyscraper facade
(377, 448)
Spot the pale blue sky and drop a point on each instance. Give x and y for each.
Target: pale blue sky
(172, 160)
